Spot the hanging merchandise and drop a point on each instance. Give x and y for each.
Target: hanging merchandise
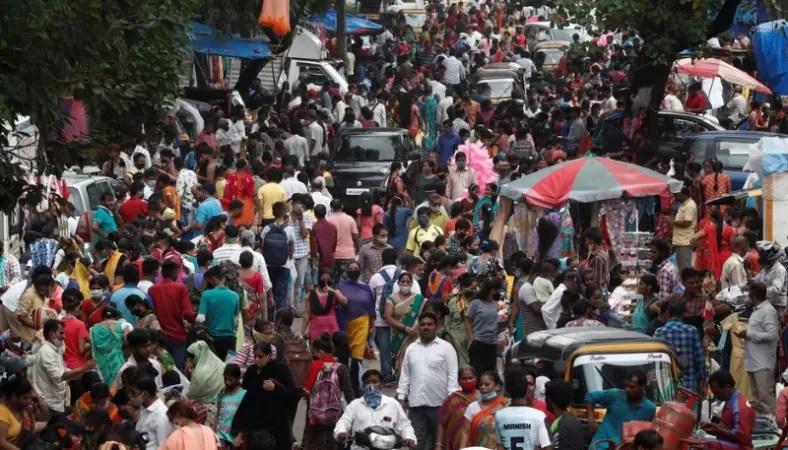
(276, 16)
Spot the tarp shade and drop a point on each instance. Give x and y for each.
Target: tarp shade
(353, 24)
(204, 40)
(770, 46)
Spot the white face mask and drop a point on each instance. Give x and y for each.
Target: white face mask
(383, 240)
(97, 293)
(405, 289)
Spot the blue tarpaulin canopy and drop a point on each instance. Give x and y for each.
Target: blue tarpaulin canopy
(205, 40)
(353, 24)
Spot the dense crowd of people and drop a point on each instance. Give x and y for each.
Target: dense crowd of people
(167, 318)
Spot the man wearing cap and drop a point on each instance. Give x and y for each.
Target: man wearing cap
(773, 274)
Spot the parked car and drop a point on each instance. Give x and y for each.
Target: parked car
(362, 158)
(538, 32)
(673, 128)
(598, 358)
(85, 191)
(731, 147)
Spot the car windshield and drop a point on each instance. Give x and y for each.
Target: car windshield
(501, 88)
(552, 56)
(368, 148)
(415, 20)
(605, 371)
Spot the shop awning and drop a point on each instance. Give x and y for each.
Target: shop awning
(204, 40)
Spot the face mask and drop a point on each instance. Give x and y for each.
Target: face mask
(461, 165)
(372, 396)
(97, 293)
(405, 289)
(489, 396)
(468, 385)
(423, 221)
(383, 240)
(435, 208)
(353, 274)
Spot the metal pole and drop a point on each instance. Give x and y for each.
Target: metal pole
(341, 41)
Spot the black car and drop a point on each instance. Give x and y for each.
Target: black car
(362, 157)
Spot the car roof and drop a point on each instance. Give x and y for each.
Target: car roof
(494, 75)
(78, 179)
(734, 134)
(503, 66)
(560, 343)
(377, 130)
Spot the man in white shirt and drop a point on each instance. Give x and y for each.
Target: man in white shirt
(153, 419)
(738, 104)
(438, 88)
(231, 250)
(291, 184)
(428, 376)
(298, 146)
(227, 134)
(48, 373)
(379, 114)
(318, 196)
(526, 63)
(316, 136)
(340, 107)
(671, 103)
(551, 310)
(733, 273)
(455, 71)
(444, 105)
(374, 409)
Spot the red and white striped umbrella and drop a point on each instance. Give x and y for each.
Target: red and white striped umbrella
(713, 67)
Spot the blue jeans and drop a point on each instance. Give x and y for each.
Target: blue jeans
(383, 342)
(280, 280)
(178, 352)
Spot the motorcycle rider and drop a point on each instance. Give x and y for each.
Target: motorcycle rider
(374, 409)
(773, 274)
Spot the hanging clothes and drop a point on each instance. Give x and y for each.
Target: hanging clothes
(618, 213)
(566, 233)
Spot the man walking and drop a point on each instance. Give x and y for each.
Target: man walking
(684, 228)
(761, 344)
(428, 376)
(219, 309)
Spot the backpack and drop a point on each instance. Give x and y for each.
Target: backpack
(297, 356)
(388, 288)
(275, 246)
(325, 399)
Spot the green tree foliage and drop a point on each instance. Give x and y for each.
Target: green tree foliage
(122, 58)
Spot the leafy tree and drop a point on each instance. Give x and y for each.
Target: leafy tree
(122, 58)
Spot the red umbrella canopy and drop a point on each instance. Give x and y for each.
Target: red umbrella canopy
(586, 180)
(712, 67)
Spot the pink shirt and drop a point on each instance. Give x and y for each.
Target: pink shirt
(346, 228)
(368, 222)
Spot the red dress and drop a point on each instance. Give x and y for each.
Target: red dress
(706, 255)
(725, 246)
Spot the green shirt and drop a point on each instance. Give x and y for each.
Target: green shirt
(220, 307)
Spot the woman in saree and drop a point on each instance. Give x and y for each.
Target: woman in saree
(479, 430)
(455, 323)
(451, 417)
(402, 311)
(430, 111)
(240, 186)
(206, 373)
(706, 241)
(107, 339)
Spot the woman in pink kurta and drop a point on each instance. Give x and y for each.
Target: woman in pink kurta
(321, 307)
(189, 435)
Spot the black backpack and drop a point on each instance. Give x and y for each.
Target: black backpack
(276, 248)
(388, 288)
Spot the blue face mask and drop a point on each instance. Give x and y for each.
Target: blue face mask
(372, 396)
(489, 396)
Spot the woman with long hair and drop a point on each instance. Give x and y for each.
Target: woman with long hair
(367, 216)
(479, 430)
(17, 400)
(482, 317)
(716, 184)
(396, 184)
(402, 310)
(320, 306)
(707, 239)
(451, 417)
(187, 433)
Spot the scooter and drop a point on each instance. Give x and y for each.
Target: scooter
(378, 438)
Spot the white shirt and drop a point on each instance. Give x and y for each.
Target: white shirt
(528, 65)
(443, 109)
(144, 151)
(379, 114)
(339, 110)
(293, 186)
(316, 134)
(738, 104)
(551, 310)
(377, 283)
(733, 273)
(358, 416)
(154, 421)
(454, 71)
(672, 103)
(144, 285)
(299, 147)
(438, 88)
(429, 373)
(46, 369)
(227, 252)
(321, 199)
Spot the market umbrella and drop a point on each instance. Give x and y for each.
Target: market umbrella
(588, 179)
(713, 67)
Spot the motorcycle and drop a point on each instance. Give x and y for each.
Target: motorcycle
(378, 438)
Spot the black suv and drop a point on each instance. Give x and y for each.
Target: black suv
(361, 159)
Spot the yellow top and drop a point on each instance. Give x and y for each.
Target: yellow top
(270, 193)
(687, 211)
(14, 425)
